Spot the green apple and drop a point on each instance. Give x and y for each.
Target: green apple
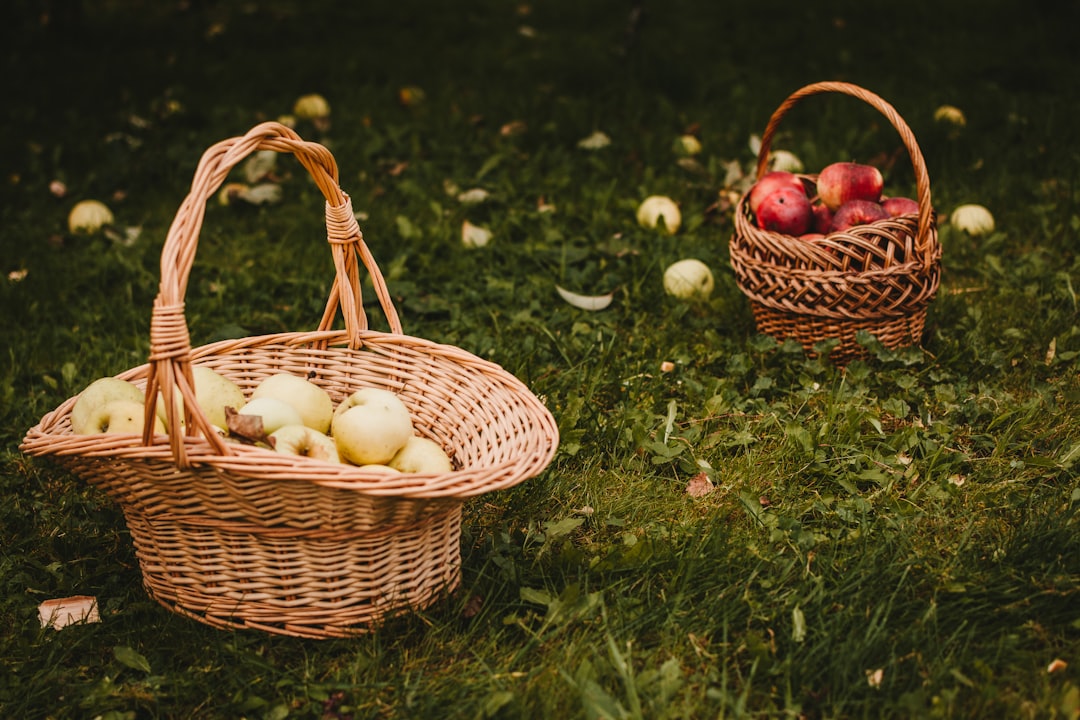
(213, 392)
(421, 455)
(659, 212)
(96, 395)
(120, 416)
(370, 426)
(305, 441)
(311, 401)
(688, 279)
(381, 469)
(275, 413)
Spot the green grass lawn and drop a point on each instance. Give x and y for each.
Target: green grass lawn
(898, 538)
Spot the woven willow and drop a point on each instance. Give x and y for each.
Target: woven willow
(242, 537)
(878, 277)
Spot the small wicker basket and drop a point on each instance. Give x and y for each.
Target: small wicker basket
(241, 537)
(877, 278)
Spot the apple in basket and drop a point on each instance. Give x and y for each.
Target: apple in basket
(897, 206)
(785, 210)
(272, 412)
(304, 441)
(421, 455)
(120, 416)
(311, 401)
(857, 212)
(86, 412)
(213, 393)
(843, 181)
(370, 426)
(770, 182)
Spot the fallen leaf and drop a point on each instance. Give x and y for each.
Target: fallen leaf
(699, 485)
(248, 427)
(874, 677)
(474, 236)
(260, 165)
(473, 196)
(585, 302)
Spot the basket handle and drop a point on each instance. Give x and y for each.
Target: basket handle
(170, 342)
(922, 178)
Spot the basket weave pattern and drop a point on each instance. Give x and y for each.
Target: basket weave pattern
(878, 277)
(240, 536)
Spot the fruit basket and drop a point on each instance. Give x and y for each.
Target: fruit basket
(877, 277)
(238, 536)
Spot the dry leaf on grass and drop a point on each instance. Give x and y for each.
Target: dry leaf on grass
(699, 485)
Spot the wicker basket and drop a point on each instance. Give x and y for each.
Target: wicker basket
(877, 278)
(241, 537)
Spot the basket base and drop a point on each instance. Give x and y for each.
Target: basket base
(809, 330)
(319, 587)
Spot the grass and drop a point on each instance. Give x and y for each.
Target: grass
(900, 538)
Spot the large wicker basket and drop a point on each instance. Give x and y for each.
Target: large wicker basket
(241, 537)
(877, 278)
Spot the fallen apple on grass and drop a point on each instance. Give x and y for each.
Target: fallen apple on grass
(659, 212)
(311, 401)
(689, 279)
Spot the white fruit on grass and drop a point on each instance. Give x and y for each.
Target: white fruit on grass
(370, 426)
(89, 216)
(213, 393)
(305, 441)
(421, 455)
(688, 279)
(311, 401)
(120, 416)
(972, 219)
(96, 395)
(275, 413)
(657, 208)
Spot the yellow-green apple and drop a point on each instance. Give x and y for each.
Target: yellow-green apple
(370, 426)
(120, 416)
(380, 469)
(659, 211)
(843, 181)
(857, 212)
(95, 396)
(769, 182)
(311, 401)
(421, 455)
(213, 393)
(304, 441)
(897, 206)
(688, 279)
(275, 413)
(785, 210)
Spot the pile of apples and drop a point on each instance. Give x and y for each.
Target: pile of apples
(290, 414)
(847, 194)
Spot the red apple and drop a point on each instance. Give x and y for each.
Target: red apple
(900, 206)
(857, 212)
(822, 218)
(772, 181)
(786, 211)
(839, 182)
